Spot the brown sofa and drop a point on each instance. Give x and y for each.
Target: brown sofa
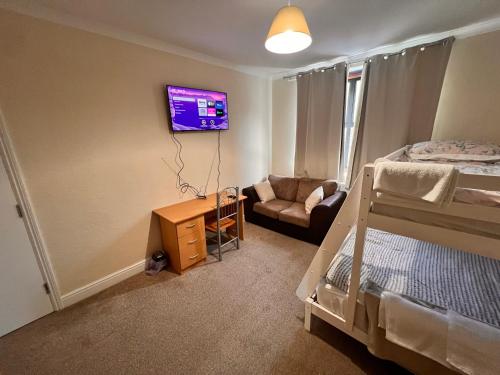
(286, 214)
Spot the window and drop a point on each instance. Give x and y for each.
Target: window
(352, 102)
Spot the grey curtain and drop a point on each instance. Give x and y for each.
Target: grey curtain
(320, 116)
(400, 99)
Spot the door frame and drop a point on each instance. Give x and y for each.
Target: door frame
(11, 164)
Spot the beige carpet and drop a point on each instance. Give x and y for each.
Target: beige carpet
(239, 316)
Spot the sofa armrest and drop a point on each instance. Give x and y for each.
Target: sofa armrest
(330, 204)
(252, 197)
(324, 213)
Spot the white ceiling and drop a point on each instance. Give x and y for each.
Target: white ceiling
(234, 31)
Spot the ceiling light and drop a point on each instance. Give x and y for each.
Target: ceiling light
(289, 32)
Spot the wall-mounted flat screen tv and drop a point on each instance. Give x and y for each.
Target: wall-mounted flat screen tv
(197, 110)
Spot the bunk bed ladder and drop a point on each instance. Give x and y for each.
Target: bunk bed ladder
(346, 219)
(354, 212)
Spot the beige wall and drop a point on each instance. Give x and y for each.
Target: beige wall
(87, 117)
(284, 108)
(469, 107)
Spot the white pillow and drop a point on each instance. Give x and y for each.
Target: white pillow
(313, 199)
(265, 191)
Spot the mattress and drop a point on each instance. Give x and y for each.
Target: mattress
(476, 196)
(467, 157)
(333, 298)
(471, 196)
(429, 274)
(462, 195)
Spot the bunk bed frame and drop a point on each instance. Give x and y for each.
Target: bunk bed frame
(356, 212)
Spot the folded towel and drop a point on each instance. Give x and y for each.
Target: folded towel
(472, 346)
(403, 324)
(451, 339)
(432, 183)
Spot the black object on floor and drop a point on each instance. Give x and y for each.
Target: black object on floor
(156, 263)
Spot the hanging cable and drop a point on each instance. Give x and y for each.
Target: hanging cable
(209, 173)
(218, 157)
(180, 184)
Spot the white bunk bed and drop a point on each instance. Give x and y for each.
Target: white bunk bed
(469, 227)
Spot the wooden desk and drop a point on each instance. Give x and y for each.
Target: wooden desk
(183, 230)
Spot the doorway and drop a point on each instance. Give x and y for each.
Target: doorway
(23, 292)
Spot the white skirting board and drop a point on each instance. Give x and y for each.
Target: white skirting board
(97, 286)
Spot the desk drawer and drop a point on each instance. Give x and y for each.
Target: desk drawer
(195, 225)
(192, 248)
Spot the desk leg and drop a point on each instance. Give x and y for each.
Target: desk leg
(240, 218)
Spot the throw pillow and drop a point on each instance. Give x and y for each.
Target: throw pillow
(307, 186)
(264, 191)
(313, 199)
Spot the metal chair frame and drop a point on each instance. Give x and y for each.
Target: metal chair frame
(228, 206)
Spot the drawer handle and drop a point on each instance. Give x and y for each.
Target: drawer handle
(194, 256)
(190, 226)
(192, 241)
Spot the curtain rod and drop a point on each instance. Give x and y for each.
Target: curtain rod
(348, 62)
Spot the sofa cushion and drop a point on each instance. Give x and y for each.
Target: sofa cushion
(271, 208)
(329, 188)
(285, 188)
(308, 185)
(295, 214)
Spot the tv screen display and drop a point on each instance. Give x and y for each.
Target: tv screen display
(195, 109)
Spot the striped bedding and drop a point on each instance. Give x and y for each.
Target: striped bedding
(450, 279)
